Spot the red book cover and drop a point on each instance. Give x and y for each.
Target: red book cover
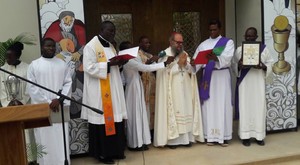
(127, 54)
(201, 57)
(123, 57)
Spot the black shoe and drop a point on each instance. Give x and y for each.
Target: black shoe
(246, 142)
(188, 145)
(172, 146)
(107, 160)
(120, 157)
(260, 142)
(225, 143)
(131, 149)
(145, 147)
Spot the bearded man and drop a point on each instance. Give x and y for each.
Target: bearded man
(177, 104)
(67, 27)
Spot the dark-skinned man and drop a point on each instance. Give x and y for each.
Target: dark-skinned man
(215, 86)
(103, 90)
(52, 73)
(251, 91)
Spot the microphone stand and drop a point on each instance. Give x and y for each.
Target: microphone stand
(61, 103)
(61, 99)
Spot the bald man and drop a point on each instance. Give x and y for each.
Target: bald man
(177, 106)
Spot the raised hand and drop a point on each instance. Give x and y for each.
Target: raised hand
(192, 62)
(182, 59)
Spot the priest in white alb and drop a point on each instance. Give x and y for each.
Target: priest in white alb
(52, 73)
(138, 132)
(251, 91)
(103, 90)
(178, 118)
(215, 86)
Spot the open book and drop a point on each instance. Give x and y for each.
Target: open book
(201, 57)
(127, 54)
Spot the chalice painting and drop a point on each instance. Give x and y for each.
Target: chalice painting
(281, 31)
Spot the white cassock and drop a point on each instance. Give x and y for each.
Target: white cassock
(51, 73)
(177, 105)
(217, 110)
(138, 132)
(20, 70)
(93, 72)
(252, 120)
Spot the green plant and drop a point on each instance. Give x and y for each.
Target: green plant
(25, 38)
(35, 151)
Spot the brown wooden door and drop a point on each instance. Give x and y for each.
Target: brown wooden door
(153, 18)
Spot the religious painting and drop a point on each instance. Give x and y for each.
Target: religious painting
(251, 53)
(280, 38)
(63, 21)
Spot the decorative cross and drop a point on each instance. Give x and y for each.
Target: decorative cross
(205, 85)
(181, 71)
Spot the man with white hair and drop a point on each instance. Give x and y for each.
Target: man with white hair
(67, 27)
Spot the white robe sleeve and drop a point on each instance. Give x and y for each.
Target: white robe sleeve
(34, 91)
(67, 84)
(235, 61)
(91, 66)
(226, 56)
(136, 65)
(198, 66)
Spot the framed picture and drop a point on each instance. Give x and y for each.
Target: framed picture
(251, 53)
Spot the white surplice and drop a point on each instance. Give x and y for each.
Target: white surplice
(217, 110)
(177, 106)
(51, 73)
(20, 70)
(93, 72)
(138, 132)
(252, 119)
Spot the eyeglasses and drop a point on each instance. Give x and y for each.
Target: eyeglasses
(178, 42)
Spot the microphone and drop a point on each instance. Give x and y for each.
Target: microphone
(162, 54)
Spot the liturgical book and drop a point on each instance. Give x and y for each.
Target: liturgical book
(127, 54)
(201, 57)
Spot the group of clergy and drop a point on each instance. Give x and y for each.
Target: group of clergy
(179, 105)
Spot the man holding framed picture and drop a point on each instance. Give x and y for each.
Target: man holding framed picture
(252, 63)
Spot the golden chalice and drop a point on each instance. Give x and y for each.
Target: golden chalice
(281, 32)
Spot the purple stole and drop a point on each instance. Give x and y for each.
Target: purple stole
(205, 79)
(238, 82)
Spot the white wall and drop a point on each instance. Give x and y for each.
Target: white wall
(248, 14)
(19, 16)
(230, 19)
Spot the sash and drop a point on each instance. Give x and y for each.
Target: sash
(106, 94)
(238, 82)
(205, 79)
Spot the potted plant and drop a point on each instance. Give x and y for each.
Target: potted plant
(25, 38)
(34, 151)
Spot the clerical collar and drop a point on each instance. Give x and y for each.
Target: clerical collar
(103, 41)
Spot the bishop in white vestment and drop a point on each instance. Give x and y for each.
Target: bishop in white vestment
(177, 106)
